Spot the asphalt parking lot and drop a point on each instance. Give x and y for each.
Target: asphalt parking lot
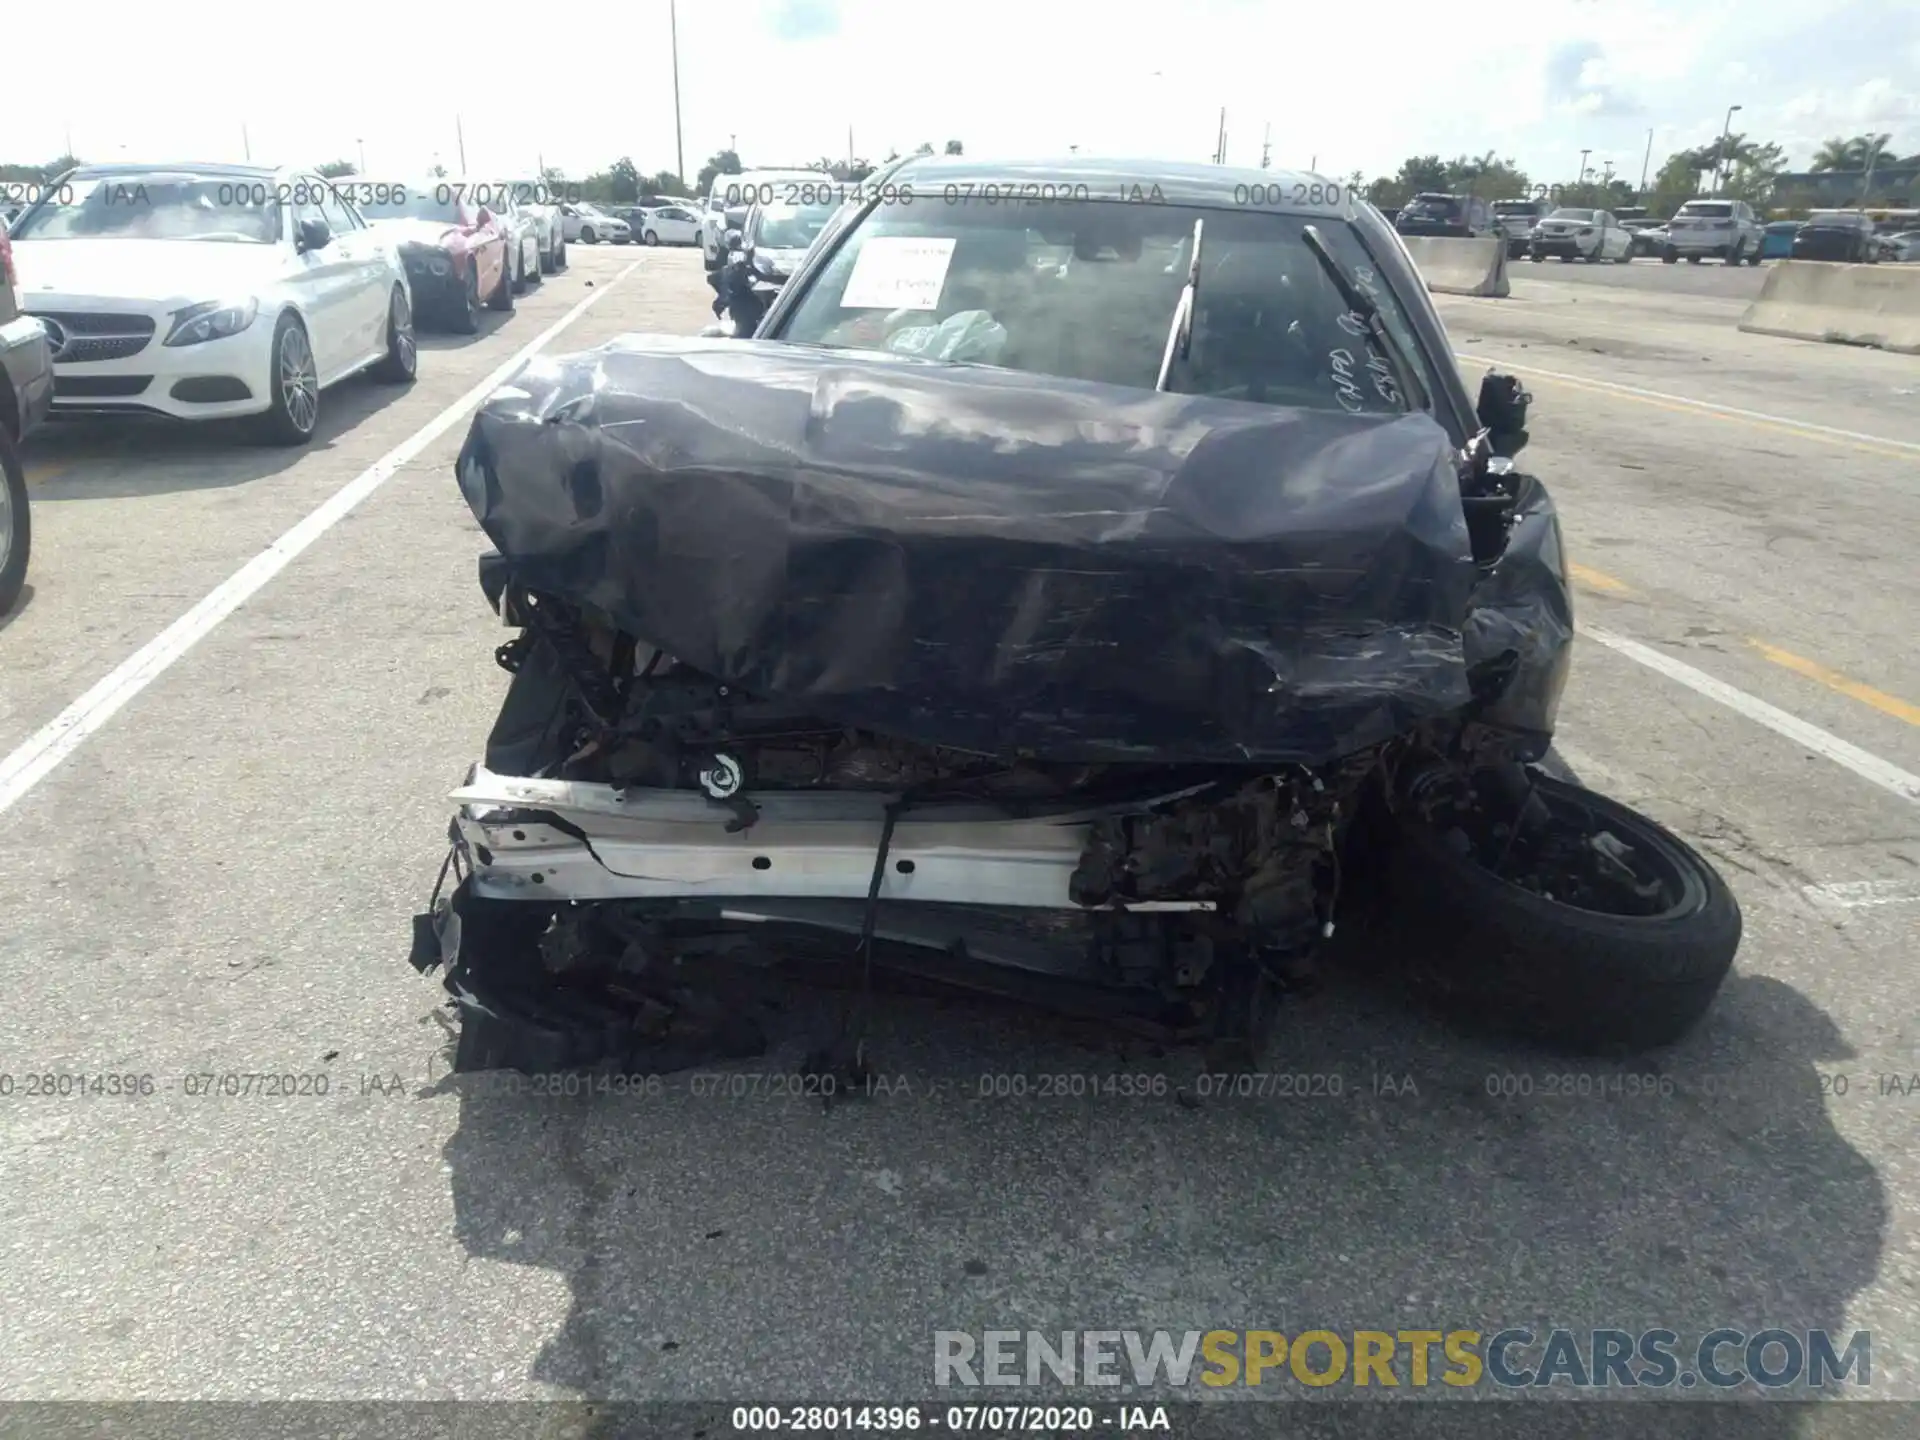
(218, 879)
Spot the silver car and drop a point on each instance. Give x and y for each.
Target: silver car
(589, 224)
(539, 201)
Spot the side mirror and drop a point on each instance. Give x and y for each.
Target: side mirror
(1503, 410)
(314, 235)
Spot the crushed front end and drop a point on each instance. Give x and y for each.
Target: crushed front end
(1045, 687)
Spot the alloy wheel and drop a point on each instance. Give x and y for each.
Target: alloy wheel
(405, 347)
(299, 382)
(6, 524)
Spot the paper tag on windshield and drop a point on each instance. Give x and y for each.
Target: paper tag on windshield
(895, 272)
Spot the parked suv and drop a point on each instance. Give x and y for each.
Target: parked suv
(1726, 229)
(1517, 218)
(26, 395)
(1462, 216)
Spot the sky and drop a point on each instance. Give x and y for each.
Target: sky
(587, 81)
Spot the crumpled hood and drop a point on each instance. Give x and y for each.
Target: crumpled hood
(991, 559)
(169, 272)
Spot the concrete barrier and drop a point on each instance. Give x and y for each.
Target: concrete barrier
(1877, 305)
(1461, 267)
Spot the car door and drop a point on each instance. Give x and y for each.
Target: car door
(364, 287)
(1604, 225)
(325, 280)
(685, 227)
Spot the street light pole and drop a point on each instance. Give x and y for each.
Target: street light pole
(1583, 167)
(1722, 169)
(1644, 164)
(679, 146)
(363, 153)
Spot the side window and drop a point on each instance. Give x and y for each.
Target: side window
(340, 219)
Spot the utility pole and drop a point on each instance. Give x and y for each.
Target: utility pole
(246, 145)
(1644, 164)
(460, 135)
(363, 153)
(1583, 167)
(1721, 169)
(1220, 150)
(1266, 147)
(679, 146)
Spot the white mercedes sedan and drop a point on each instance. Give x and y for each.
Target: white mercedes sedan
(206, 292)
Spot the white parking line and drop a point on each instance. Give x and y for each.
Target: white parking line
(1862, 894)
(34, 760)
(1866, 765)
(1709, 407)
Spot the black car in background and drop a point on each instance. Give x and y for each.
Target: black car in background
(1841, 235)
(1461, 216)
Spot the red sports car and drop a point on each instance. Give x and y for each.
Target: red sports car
(456, 251)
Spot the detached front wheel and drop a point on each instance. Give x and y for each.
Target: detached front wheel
(1545, 910)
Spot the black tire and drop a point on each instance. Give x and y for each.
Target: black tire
(502, 297)
(402, 361)
(466, 320)
(560, 253)
(1693, 259)
(1735, 255)
(1754, 259)
(531, 278)
(1669, 257)
(517, 263)
(547, 267)
(16, 526)
(587, 236)
(648, 237)
(1536, 257)
(293, 386)
(1625, 258)
(1575, 979)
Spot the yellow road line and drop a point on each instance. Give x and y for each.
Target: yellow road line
(1879, 699)
(1707, 408)
(1597, 579)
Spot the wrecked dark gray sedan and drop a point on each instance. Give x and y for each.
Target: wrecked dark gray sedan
(1094, 583)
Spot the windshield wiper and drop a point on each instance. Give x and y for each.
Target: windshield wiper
(1180, 333)
(1368, 309)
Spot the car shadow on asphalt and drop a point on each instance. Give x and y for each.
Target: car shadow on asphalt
(110, 457)
(19, 607)
(744, 1242)
(492, 322)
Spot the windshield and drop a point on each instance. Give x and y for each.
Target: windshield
(1834, 219)
(1088, 291)
(1515, 207)
(1710, 208)
(792, 227)
(1585, 217)
(1433, 205)
(399, 202)
(237, 210)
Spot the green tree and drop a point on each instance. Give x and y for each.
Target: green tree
(1851, 153)
(662, 182)
(1487, 176)
(623, 181)
(721, 162)
(953, 147)
(1678, 180)
(335, 169)
(923, 148)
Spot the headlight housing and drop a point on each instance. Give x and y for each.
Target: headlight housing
(211, 320)
(432, 257)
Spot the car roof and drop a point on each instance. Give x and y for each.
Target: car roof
(180, 167)
(1180, 182)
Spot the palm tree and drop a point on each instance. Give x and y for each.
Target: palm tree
(1850, 153)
